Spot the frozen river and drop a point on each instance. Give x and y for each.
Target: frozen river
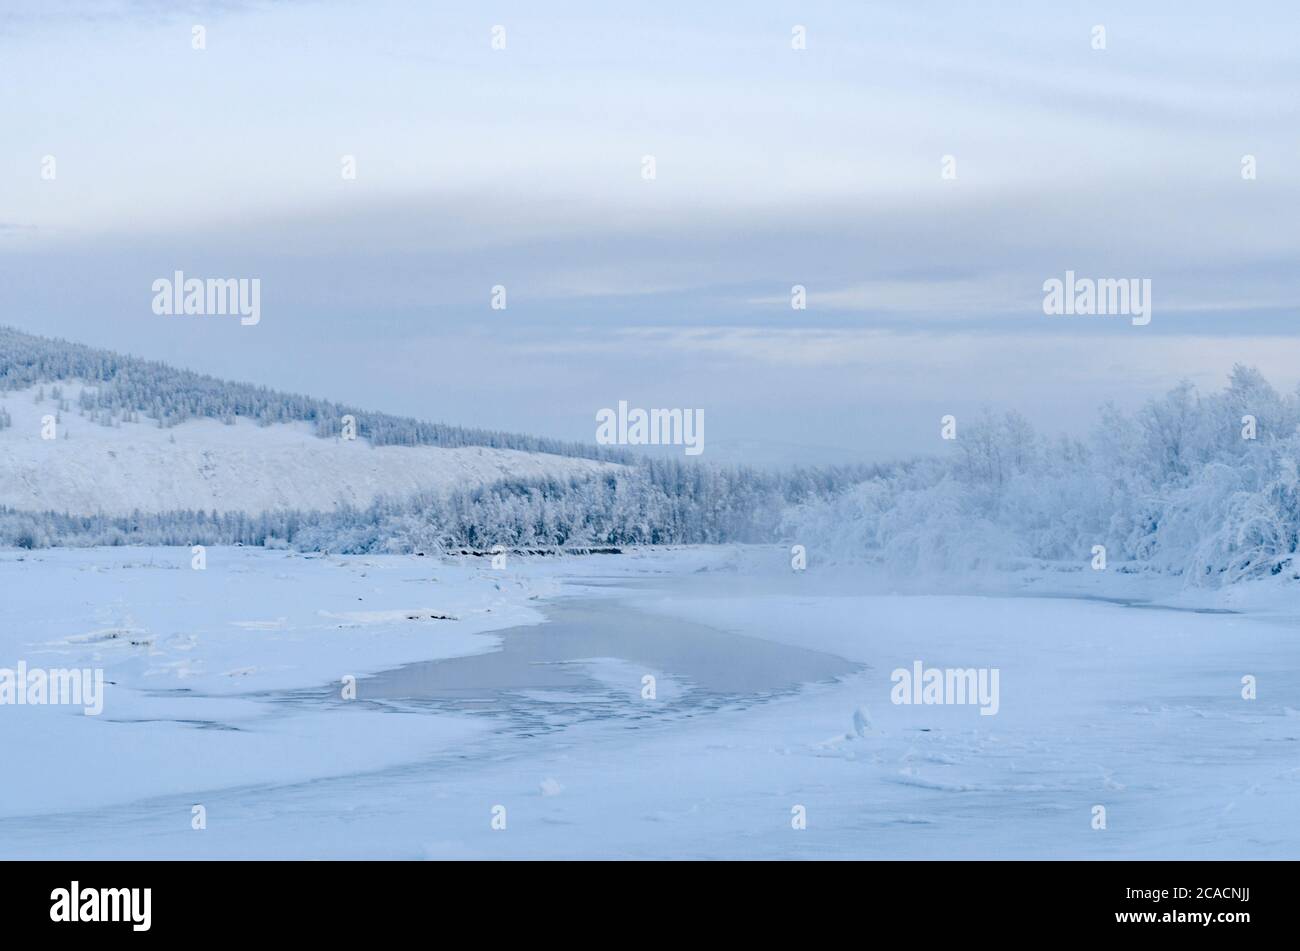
(696, 703)
(591, 661)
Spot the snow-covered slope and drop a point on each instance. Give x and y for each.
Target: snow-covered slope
(206, 464)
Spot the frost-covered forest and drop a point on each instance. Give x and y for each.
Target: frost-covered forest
(125, 388)
(1200, 486)
(654, 502)
(1203, 486)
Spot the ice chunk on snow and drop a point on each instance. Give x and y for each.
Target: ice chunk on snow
(862, 724)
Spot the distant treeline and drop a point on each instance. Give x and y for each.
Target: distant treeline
(655, 502)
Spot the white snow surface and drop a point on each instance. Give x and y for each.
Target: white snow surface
(207, 465)
(194, 661)
(1135, 708)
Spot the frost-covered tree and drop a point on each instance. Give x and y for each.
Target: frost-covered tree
(1201, 486)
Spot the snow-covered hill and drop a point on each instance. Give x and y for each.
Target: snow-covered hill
(205, 464)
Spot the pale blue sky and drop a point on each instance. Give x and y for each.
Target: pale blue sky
(522, 167)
